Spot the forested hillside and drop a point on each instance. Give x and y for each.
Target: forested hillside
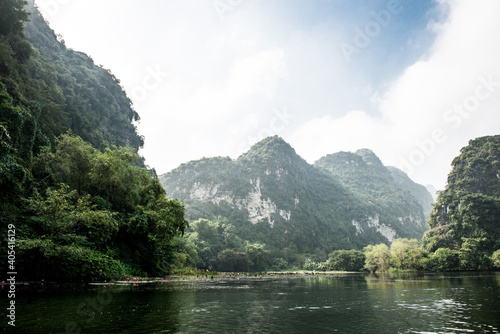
(73, 187)
(272, 200)
(466, 218)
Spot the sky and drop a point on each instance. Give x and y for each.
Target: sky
(413, 81)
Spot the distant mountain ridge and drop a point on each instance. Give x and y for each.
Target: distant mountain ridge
(275, 197)
(364, 173)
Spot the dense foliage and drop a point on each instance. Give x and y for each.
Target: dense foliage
(82, 203)
(466, 217)
(408, 255)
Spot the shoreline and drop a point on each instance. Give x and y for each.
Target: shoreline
(177, 280)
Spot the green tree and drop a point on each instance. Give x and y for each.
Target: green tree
(445, 259)
(207, 236)
(12, 17)
(496, 259)
(401, 249)
(470, 255)
(71, 238)
(229, 260)
(144, 220)
(124, 187)
(377, 257)
(66, 216)
(209, 231)
(415, 259)
(230, 236)
(12, 174)
(346, 260)
(259, 256)
(70, 163)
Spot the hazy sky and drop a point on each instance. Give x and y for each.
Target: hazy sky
(412, 80)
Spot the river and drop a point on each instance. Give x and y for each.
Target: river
(342, 303)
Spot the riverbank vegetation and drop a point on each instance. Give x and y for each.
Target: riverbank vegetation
(408, 255)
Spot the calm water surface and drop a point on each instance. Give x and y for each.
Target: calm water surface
(357, 303)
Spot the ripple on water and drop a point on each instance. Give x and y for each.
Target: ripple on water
(452, 317)
(200, 310)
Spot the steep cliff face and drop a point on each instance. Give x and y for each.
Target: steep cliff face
(291, 201)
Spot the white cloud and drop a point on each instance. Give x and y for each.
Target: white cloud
(347, 133)
(226, 79)
(259, 73)
(466, 49)
(214, 119)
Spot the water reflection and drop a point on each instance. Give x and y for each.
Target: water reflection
(424, 303)
(439, 303)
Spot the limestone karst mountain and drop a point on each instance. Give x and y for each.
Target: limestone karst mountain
(273, 196)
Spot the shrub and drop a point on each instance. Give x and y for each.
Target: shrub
(346, 260)
(44, 259)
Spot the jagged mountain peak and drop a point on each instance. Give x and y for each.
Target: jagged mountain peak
(271, 152)
(369, 157)
(270, 144)
(362, 157)
(349, 163)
